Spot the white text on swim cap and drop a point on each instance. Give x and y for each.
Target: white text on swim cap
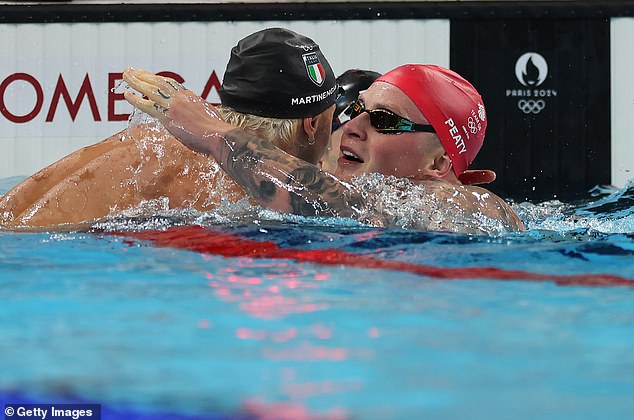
(303, 100)
(457, 138)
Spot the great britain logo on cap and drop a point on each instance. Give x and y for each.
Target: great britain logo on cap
(314, 68)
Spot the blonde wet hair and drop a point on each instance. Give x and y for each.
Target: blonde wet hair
(281, 132)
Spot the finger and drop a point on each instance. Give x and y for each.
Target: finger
(146, 105)
(157, 88)
(166, 84)
(149, 89)
(132, 78)
(174, 84)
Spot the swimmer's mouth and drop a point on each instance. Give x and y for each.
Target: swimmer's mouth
(348, 155)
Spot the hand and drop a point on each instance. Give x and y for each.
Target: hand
(191, 119)
(159, 91)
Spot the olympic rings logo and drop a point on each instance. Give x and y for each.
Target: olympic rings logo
(531, 106)
(472, 125)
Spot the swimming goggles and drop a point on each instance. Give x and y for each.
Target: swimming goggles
(342, 118)
(387, 122)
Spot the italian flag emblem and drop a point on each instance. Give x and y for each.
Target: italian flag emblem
(315, 69)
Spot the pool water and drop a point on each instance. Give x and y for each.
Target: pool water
(278, 317)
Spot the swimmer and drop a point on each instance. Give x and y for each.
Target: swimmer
(351, 82)
(277, 84)
(421, 123)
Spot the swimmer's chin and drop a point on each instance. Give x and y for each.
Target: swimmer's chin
(343, 174)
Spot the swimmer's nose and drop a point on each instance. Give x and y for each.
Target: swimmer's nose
(358, 127)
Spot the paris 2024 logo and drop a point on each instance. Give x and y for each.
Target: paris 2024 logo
(531, 71)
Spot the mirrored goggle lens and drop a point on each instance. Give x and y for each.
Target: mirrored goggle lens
(384, 120)
(380, 119)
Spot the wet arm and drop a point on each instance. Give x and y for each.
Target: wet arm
(276, 179)
(281, 181)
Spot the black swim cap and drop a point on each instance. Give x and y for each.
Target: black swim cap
(278, 73)
(350, 83)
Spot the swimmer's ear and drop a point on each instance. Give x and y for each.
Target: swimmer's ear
(317, 123)
(310, 126)
(442, 165)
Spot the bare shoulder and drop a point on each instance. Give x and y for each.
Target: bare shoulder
(135, 165)
(33, 195)
(491, 205)
(478, 202)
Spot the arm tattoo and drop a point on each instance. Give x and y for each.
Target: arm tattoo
(316, 193)
(242, 165)
(284, 182)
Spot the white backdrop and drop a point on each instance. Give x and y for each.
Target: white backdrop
(622, 102)
(56, 79)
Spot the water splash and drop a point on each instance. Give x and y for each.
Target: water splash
(608, 211)
(157, 215)
(398, 202)
(160, 154)
(138, 117)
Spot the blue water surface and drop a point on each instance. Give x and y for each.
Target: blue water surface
(159, 332)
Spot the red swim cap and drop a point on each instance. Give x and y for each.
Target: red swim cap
(451, 105)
